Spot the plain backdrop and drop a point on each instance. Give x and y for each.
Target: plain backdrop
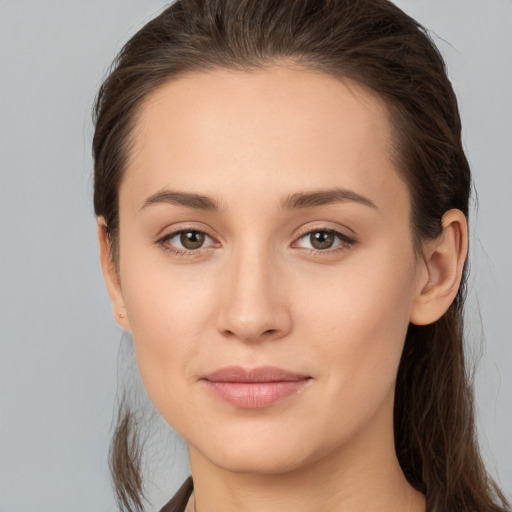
(58, 340)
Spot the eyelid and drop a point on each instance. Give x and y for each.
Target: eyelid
(326, 226)
(184, 226)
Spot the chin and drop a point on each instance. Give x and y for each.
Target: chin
(261, 453)
(265, 461)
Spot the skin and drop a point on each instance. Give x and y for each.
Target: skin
(258, 293)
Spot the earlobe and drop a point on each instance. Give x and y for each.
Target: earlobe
(443, 262)
(111, 276)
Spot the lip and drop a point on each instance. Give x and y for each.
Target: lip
(254, 388)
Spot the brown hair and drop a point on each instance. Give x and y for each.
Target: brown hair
(375, 44)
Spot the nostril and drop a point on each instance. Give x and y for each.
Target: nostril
(269, 333)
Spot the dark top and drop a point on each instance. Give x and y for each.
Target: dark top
(180, 499)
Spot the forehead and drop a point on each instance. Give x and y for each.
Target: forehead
(275, 126)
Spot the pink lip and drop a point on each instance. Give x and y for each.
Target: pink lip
(254, 388)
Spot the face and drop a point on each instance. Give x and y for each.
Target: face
(266, 265)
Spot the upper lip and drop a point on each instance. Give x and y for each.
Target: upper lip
(259, 374)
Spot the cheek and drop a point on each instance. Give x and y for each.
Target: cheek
(359, 321)
(168, 311)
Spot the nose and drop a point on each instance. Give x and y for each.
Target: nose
(253, 305)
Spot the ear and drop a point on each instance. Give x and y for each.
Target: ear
(111, 276)
(443, 263)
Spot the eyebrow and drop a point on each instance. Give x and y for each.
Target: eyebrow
(322, 197)
(196, 201)
(294, 201)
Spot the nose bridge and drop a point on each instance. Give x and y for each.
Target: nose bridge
(253, 305)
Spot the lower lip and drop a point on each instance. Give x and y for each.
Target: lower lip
(255, 395)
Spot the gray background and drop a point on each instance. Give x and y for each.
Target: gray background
(58, 340)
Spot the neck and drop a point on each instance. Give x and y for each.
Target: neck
(363, 476)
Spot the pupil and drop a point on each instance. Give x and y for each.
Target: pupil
(322, 240)
(192, 239)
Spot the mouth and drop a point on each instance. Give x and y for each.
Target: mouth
(254, 388)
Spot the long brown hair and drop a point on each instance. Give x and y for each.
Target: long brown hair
(375, 44)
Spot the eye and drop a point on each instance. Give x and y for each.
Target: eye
(186, 240)
(323, 240)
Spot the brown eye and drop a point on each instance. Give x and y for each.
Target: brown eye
(322, 239)
(192, 239)
(185, 241)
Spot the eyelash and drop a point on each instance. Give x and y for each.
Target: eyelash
(345, 242)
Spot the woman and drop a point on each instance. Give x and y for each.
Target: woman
(282, 201)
